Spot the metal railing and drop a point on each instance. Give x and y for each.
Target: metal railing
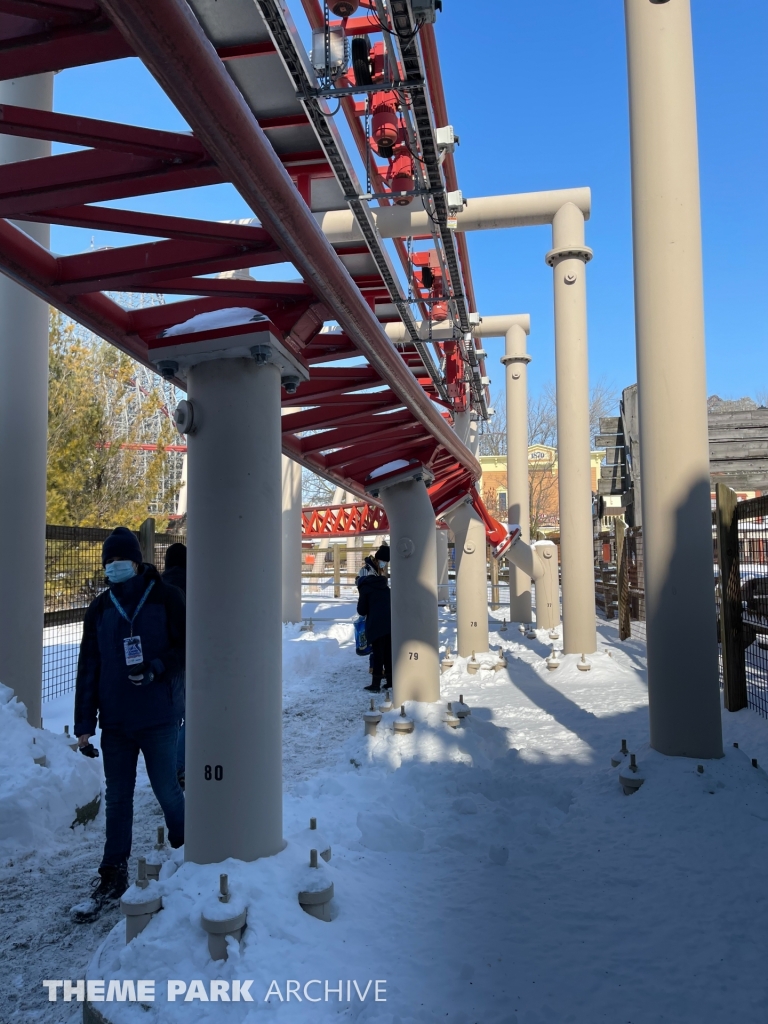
(73, 577)
(741, 530)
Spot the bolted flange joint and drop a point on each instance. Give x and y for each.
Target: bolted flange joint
(570, 252)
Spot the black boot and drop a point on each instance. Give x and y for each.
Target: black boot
(106, 894)
(375, 686)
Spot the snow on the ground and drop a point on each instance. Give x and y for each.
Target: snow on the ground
(489, 875)
(43, 782)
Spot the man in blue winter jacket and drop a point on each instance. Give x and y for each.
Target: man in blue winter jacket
(131, 659)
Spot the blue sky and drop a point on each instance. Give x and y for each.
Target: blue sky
(537, 93)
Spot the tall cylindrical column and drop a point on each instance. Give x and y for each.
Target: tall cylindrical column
(471, 580)
(669, 317)
(516, 360)
(181, 504)
(291, 540)
(568, 258)
(441, 540)
(234, 637)
(413, 568)
(23, 440)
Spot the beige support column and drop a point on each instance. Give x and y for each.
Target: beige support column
(234, 786)
(23, 439)
(291, 520)
(181, 504)
(567, 259)
(515, 360)
(441, 539)
(669, 317)
(413, 573)
(471, 583)
(539, 561)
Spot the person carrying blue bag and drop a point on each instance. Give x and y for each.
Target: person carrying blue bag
(375, 604)
(131, 654)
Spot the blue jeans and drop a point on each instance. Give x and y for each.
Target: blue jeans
(121, 754)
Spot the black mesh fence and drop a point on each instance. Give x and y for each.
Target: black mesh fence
(73, 577)
(752, 520)
(636, 579)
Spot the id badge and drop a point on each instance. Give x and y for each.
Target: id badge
(132, 646)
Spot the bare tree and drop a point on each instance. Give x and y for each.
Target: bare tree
(493, 431)
(543, 496)
(603, 401)
(542, 412)
(315, 490)
(542, 417)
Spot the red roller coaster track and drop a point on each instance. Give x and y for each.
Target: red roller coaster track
(366, 402)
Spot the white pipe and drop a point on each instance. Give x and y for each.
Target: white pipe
(291, 517)
(471, 584)
(181, 503)
(568, 259)
(683, 690)
(441, 539)
(515, 361)
(539, 561)
(489, 327)
(23, 440)
(234, 635)
(522, 209)
(413, 568)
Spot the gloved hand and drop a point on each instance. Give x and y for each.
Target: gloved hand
(140, 675)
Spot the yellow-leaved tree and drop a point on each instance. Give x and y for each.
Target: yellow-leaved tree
(102, 408)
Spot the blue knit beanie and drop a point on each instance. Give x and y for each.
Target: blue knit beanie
(122, 544)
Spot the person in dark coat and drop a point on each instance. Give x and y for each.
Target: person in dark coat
(176, 574)
(131, 652)
(375, 604)
(176, 566)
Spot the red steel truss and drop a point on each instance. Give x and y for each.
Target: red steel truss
(366, 402)
(343, 520)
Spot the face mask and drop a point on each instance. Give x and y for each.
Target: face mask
(119, 572)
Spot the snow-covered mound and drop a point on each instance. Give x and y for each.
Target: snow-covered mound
(45, 786)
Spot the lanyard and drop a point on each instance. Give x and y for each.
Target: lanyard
(139, 606)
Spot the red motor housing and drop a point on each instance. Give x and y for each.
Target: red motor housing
(401, 177)
(384, 128)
